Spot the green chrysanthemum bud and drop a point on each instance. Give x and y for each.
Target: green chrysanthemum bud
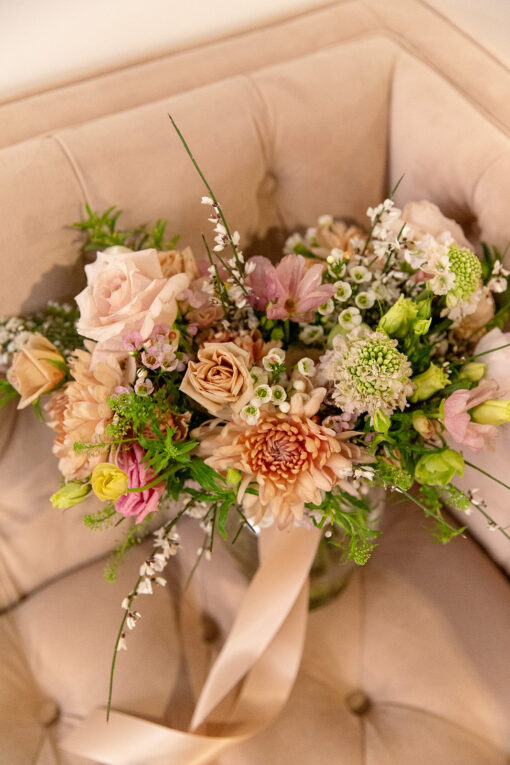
(72, 493)
(438, 468)
(429, 382)
(467, 269)
(494, 411)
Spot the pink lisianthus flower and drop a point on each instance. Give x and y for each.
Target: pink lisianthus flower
(139, 503)
(458, 423)
(289, 291)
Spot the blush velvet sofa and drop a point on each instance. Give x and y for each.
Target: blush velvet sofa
(321, 113)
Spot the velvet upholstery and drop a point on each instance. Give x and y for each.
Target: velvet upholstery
(320, 114)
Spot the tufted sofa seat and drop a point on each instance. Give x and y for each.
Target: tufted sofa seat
(410, 663)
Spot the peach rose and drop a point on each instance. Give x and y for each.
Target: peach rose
(126, 292)
(220, 380)
(178, 262)
(33, 370)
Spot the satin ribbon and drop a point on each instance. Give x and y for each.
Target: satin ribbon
(263, 648)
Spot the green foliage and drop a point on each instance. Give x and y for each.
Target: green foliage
(351, 515)
(163, 450)
(134, 536)
(432, 503)
(102, 519)
(7, 393)
(101, 231)
(391, 476)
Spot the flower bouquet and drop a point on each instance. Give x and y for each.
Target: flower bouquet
(229, 387)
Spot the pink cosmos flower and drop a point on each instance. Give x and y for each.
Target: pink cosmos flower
(293, 290)
(458, 422)
(139, 503)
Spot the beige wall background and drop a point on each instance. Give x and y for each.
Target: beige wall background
(49, 42)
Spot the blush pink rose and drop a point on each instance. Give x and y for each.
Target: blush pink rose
(126, 292)
(137, 504)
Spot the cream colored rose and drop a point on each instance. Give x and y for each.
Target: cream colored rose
(178, 262)
(126, 292)
(33, 370)
(428, 218)
(220, 380)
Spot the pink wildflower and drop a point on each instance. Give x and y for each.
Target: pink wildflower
(293, 290)
(132, 341)
(458, 423)
(151, 357)
(138, 503)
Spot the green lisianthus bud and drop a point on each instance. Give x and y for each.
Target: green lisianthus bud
(381, 421)
(397, 320)
(429, 382)
(423, 425)
(473, 371)
(233, 476)
(421, 326)
(438, 468)
(72, 493)
(494, 411)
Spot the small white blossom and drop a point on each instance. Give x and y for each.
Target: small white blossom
(441, 284)
(262, 394)
(498, 284)
(206, 201)
(365, 300)
(360, 274)
(349, 318)
(343, 291)
(325, 220)
(310, 334)
(284, 407)
(279, 394)
(250, 414)
(306, 367)
(326, 308)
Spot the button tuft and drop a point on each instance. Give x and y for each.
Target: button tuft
(48, 712)
(358, 702)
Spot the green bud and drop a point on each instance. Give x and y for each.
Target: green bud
(494, 411)
(72, 493)
(438, 468)
(473, 371)
(429, 382)
(421, 326)
(397, 320)
(233, 476)
(423, 425)
(381, 422)
(277, 333)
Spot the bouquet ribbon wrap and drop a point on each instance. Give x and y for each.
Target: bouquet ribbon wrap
(263, 650)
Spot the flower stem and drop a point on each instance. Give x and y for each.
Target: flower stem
(116, 649)
(475, 467)
(211, 192)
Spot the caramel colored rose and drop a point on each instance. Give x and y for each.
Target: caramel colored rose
(178, 262)
(33, 370)
(473, 325)
(220, 380)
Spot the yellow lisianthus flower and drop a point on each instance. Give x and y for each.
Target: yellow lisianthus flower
(109, 482)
